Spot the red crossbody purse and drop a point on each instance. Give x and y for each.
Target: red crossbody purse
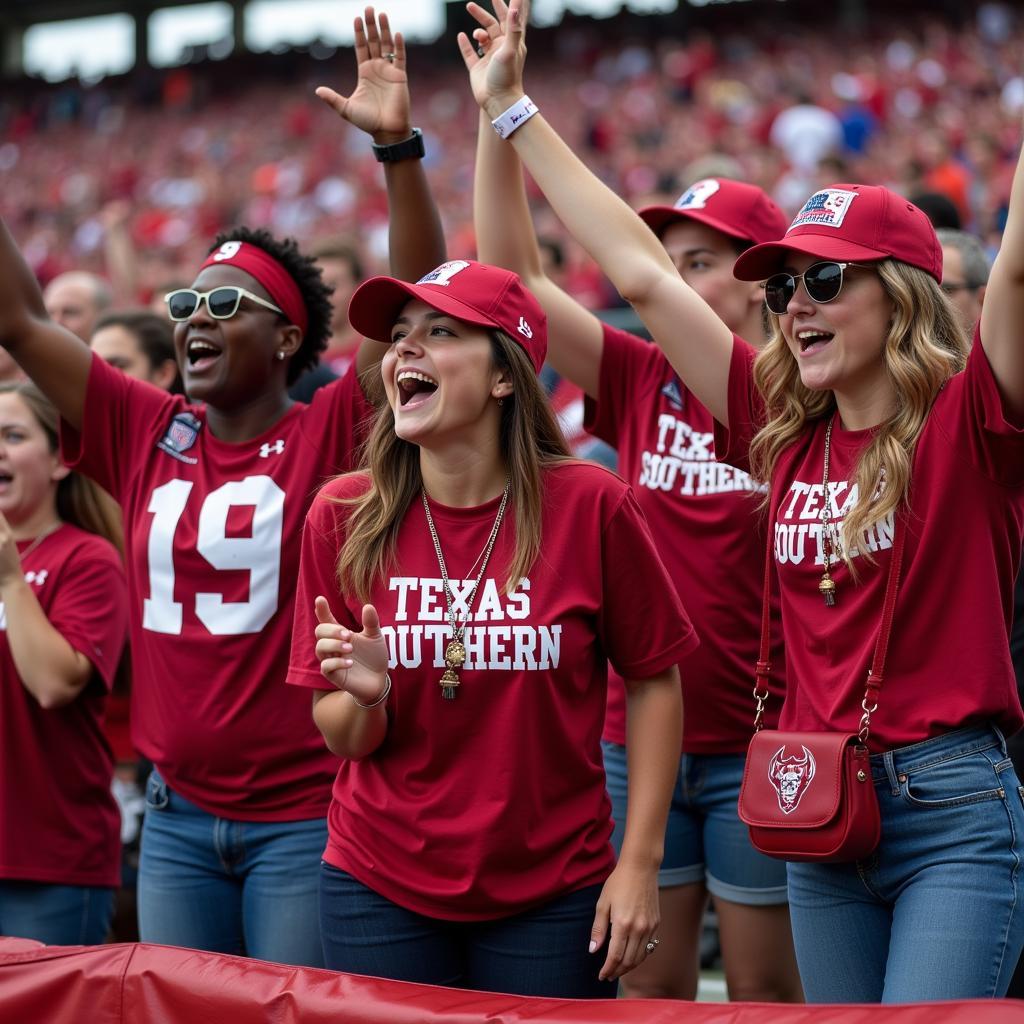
(809, 796)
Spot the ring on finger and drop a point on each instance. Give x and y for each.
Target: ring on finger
(652, 945)
(389, 57)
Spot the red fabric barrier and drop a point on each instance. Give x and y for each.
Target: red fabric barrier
(146, 984)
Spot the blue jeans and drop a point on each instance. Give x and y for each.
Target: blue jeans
(229, 886)
(59, 915)
(935, 912)
(705, 841)
(542, 952)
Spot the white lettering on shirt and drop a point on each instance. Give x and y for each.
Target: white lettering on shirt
(684, 462)
(798, 530)
(496, 638)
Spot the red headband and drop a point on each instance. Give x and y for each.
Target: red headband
(280, 285)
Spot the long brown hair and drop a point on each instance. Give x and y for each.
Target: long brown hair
(530, 440)
(79, 501)
(925, 345)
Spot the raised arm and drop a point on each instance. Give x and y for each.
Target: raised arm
(53, 357)
(505, 237)
(380, 107)
(1003, 311)
(695, 341)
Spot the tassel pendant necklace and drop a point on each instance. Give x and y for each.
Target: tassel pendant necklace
(455, 652)
(829, 534)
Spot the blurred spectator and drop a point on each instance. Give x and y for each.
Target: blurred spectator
(939, 208)
(75, 300)
(965, 270)
(141, 344)
(344, 271)
(807, 133)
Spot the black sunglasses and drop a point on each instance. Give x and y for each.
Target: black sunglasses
(823, 281)
(222, 302)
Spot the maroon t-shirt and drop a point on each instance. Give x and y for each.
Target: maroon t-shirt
(493, 802)
(948, 663)
(59, 822)
(709, 528)
(213, 532)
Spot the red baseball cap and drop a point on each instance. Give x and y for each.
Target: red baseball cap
(851, 223)
(735, 208)
(474, 292)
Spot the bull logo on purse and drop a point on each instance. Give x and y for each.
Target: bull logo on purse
(790, 777)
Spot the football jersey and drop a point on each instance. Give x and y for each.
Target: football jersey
(212, 531)
(59, 822)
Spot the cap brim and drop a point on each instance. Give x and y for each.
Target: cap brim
(657, 218)
(761, 261)
(376, 304)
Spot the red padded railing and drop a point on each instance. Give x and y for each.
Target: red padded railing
(147, 984)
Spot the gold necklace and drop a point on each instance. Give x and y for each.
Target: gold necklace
(37, 541)
(829, 537)
(455, 652)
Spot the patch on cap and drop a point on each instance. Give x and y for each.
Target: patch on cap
(443, 274)
(697, 195)
(826, 208)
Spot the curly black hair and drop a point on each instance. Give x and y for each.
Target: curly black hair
(307, 275)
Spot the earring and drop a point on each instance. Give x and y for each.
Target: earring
(280, 356)
(501, 401)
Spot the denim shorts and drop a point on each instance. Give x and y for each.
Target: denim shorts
(936, 911)
(705, 841)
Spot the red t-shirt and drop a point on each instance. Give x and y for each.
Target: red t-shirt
(212, 532)
(59, 822)
(948, 663)
(710, 531)
(493, 802)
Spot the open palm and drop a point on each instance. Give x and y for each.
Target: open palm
(379, 104)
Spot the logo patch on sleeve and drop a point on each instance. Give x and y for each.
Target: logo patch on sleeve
(182, 434)
(826, 208)
(673, 393)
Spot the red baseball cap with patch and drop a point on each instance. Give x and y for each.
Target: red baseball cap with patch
(851, 223)
(735, 208)
(464, 289)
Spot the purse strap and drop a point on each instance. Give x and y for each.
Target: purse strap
(876, 674)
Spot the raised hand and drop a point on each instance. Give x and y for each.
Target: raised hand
(10, 562)
(380, 103)
(495, 62)
(354, 662)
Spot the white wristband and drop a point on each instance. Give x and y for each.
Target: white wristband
(515, 117)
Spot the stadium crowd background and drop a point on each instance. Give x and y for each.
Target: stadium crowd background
(922, 102)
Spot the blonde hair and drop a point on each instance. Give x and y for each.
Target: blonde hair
(79, 501)
(530, 441)
(925, 345)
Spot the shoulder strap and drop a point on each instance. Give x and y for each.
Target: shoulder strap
(876, 673)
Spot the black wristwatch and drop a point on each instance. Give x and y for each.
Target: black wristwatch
(408, 149)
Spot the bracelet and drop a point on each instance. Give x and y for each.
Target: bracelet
(408, 149)
(515, 117)
(380, 700)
